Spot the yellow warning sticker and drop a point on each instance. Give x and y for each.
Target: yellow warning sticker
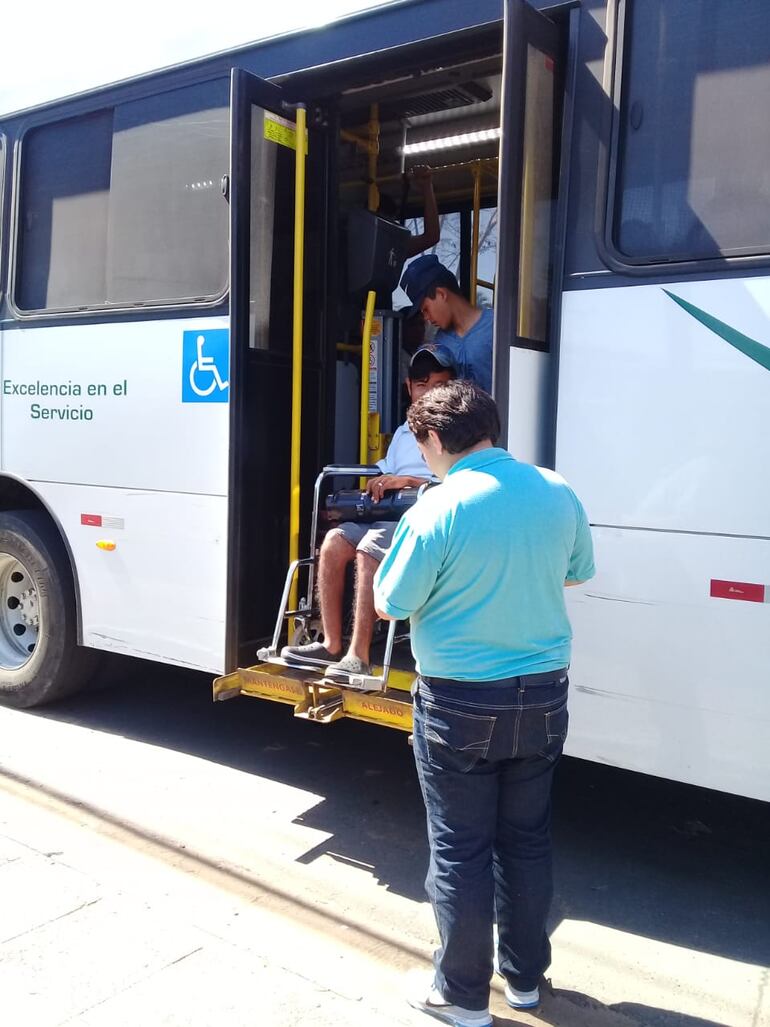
(279, 130)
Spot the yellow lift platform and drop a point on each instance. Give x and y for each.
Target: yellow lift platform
(322, 700)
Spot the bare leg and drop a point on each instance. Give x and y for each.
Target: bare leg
(364, 617)
(336, 554)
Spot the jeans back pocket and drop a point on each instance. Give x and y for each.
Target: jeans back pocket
(556, 724)
(454, 739)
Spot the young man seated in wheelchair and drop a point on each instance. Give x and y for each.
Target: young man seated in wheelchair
(402, 467)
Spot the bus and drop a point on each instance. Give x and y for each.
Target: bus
(182, 350)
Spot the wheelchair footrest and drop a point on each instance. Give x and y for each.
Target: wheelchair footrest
(356, 682)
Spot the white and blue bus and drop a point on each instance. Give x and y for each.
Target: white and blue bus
(609, 160)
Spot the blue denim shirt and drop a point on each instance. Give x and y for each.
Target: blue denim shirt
(473, 351)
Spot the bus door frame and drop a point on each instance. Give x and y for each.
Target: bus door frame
(555, 35)
(246, 92)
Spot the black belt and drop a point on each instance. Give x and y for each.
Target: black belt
(522, 679)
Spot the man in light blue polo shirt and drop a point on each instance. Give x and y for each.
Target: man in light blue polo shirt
(479, 566)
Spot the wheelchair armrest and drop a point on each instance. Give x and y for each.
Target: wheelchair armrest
(362, 470)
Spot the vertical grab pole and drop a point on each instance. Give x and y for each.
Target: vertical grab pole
(366, 345)
(476, 171)
(296, 367)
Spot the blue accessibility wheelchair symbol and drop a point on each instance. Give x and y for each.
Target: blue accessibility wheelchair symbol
(206, 366)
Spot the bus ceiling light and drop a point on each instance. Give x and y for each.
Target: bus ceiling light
(486, 135)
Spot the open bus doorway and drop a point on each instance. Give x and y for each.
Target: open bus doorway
(445, 117)
(459, 112)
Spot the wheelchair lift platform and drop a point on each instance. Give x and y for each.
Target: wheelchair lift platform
(381, 697)
(324, 700)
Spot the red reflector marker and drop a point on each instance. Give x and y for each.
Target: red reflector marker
(94, 520)
(748, 593)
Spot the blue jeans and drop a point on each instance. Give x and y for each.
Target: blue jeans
(485, 754)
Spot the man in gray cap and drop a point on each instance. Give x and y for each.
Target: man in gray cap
(465, 330)
(402, 467)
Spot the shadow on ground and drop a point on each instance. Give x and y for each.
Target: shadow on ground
(670, 862)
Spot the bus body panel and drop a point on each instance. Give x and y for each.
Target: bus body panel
(123, 412)
(160, 592)
(662, 422)
(529, 416)
(128, 453)
(661, 430)
(667, 679)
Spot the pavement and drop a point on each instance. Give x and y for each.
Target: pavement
(141, 883)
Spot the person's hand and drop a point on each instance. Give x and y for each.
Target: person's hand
(422, 176)
(377, 487)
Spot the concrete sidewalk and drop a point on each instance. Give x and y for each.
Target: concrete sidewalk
(143, 885)
(104, 928)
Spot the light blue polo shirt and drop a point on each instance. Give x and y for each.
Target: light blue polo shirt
(473, 351)
(478, 565)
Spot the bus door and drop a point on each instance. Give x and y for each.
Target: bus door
(264, 143)
(530, 226)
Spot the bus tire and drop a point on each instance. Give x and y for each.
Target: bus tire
(40, 659)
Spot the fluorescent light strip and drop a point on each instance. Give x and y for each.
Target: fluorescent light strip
(447, 142)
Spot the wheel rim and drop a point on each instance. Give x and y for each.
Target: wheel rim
(19, 613)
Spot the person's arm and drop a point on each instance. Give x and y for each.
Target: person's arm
(422, 176)
(377, 487)
(581, 564)
(408, 572)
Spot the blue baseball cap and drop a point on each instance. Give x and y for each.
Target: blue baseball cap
(420, 276)
(440, 353)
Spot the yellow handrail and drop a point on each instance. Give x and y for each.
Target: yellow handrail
(366, 345)
(296, 369)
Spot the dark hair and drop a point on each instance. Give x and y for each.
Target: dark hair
(444, 280)
(424, 365)
(460, 413)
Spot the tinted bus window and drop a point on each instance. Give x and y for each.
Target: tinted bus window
(693, 177)
(64, 214)
(125, 206)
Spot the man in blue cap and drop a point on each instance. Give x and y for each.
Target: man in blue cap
(465, 330)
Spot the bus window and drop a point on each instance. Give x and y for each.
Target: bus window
(485, 296)
(693, 177)
(272, 240)
(124, 206)
(537, 192)
(64, 214)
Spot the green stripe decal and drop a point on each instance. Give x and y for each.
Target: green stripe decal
(749, 347)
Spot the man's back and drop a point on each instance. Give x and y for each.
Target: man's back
(488, 553)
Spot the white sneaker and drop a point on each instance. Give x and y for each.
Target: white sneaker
(522, 999)
(425, 996)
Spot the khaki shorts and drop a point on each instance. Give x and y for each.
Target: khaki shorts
(373, 539)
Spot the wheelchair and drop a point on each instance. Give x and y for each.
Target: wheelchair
(344, 505)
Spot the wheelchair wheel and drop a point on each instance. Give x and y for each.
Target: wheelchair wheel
(306, 632)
